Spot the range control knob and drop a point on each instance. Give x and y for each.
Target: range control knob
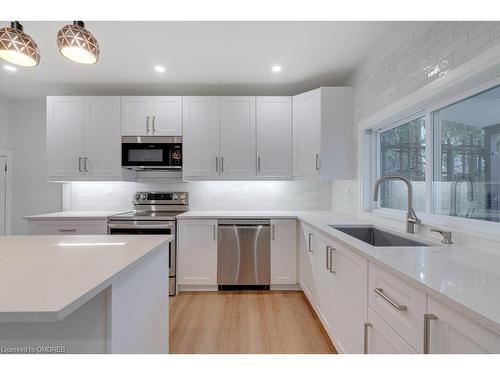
(175, 197)
(143, 197)
(137, 197)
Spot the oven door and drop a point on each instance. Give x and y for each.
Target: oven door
(145, 227)
(152, 152)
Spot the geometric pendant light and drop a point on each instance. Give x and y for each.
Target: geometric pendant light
(78, 44)
(18, 47)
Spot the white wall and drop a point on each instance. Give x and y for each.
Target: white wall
(6, 139)
(213, 195)
(31, 193)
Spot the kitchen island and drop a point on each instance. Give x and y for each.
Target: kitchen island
(84, 294)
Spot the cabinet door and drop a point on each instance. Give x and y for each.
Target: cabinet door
(306, 134)
(200, 136)
(137, 115)
(102, 136)
(65, 136)
(351, 273)
(167, 116)
(326, 284)
(197, 252)
(307, 242)
(283, 252)
(237, 136)
(453, 333)
(274, 136)
(382, 339)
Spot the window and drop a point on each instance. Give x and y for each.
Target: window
(464, 171)
(402, 153)
(466, 181)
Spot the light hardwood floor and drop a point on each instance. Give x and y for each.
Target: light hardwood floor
(245, 322)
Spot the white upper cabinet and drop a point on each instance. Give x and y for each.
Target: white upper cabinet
(167, 116)
(83, 138)
(152, 115)
(274, 136)
(102, 137)
(65, 133)
(306, 134)
(283, 252)
(201, 136)
(323, 134)
(237, 136)
(136, 115)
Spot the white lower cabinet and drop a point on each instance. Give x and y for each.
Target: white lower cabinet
(67, 227)
(351, 273)
(380, 338)
(283, 252)
(307, 247)
(326, 302)
(452, 332)
(398, 303)
(197, 252)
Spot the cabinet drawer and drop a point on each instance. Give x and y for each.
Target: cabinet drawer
(399, 304)
(67, 227)
(382, 339)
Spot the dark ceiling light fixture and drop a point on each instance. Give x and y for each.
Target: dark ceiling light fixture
(78, 44)
(17, 47)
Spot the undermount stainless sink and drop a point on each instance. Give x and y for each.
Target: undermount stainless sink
(376, 237)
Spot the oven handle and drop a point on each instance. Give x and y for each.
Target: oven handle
(143, 226)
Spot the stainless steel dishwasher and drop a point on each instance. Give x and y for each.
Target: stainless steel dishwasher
(244, 254)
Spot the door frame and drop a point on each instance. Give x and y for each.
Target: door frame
(7, 153)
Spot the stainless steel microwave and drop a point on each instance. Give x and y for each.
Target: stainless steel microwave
(152, 153)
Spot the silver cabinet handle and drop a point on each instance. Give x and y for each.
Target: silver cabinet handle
(80, 164)
(147, 125)
(427, 332)
(365, 337)
(331, 251)
(310, 242)
(394, 304)
(327, 252)
(217, 164)
(67, 230)
(272, 232)
(153, 124)
(317, 161)
(215, 232)
(85, 160)
(222, 164)
(258, 163)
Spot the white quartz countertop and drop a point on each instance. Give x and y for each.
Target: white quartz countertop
(466, 278)
(77, 215)
(45, 278)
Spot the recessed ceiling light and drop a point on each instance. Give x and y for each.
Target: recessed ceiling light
(276, 68)
(159, 69)
(10, 68)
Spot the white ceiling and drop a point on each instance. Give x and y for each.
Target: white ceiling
(203, 57)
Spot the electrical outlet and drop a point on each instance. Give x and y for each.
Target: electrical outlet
(244, 190)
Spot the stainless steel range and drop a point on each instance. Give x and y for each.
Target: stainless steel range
(153, 213)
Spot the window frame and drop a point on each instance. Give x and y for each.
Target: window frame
(426, 111)
(375, 174)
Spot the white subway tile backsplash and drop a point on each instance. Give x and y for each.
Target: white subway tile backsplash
(213, 195)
